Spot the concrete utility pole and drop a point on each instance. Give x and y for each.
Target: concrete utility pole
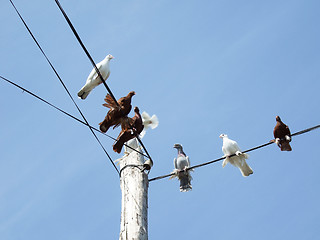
(134, 186)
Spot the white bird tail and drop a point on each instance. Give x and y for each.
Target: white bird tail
(245, 169)
(84, 92)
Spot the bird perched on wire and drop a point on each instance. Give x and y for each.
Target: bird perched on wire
(231, 147)
(93, 79)
(282, 135)
(133, 129)
(181, 163)
(118, 113)
(148, 122)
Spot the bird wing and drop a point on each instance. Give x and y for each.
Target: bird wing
(287, 131)
(148, 121)
(188, 160)
(277, 133)
(145, 116)
(93, 74)
(110, 103)
(234, 147)
(230, 147)
(175, 163)
(154, 121)
(125, 122)
(224, 149)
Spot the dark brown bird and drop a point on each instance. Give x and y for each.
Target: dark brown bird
(282, 135)
(117, 114)
(133, 129)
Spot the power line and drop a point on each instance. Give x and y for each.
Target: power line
(35, 40)
(85, 50)
(219, 159)
(66, 113)
(92, 62)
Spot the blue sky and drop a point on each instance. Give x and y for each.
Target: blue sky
(204, 68)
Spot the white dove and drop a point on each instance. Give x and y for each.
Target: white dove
(231, 147)
(148, 122)
(93, 79)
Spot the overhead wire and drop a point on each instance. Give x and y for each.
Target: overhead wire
(66, 113)
(85, 50)
(163, 176)
(111, 94)
(221, 158)
(84, 118)
(93, 63)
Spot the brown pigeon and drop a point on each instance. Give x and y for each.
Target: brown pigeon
(282, 135)
(133, 129)
(117, 114)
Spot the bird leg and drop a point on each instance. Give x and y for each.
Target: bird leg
(176, 173)
(278, 141)
(288, 138)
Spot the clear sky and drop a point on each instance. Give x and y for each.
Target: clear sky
(204, 68)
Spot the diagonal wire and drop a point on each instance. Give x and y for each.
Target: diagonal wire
(85, 50)
(219, 159)
(93, 63)
(66, 113)
(96, 137)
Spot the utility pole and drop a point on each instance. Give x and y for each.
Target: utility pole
(134, 186)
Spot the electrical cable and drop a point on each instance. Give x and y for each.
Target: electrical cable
(66, 113)
(130, 165)
(96, 137)
(219, 159)
(92, 61)
(85, 50)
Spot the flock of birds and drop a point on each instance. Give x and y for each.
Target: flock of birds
(118, 111)
(135, 127)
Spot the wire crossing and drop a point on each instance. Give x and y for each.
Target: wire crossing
(35, 40)
(86, 51)
(219, 159)
(93, 63)
(66, 113)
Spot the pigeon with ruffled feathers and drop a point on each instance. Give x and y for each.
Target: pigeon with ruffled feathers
(282, 135)
(93, 79)
(118, 114)
(231, 147)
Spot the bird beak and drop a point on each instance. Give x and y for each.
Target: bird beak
(111, 57)
(221, 136)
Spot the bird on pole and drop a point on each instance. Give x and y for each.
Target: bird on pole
(118, 113)
(131, 129)
(93, 79)
(282, 135)
(231, 147)
(181, 163)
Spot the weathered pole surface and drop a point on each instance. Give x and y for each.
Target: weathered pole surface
(134, 187)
